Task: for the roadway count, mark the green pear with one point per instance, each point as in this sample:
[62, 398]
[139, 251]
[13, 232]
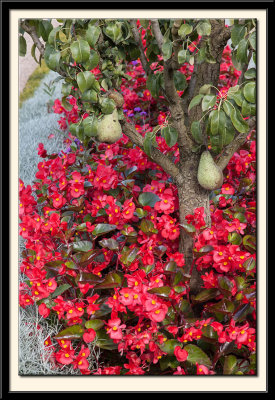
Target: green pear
[210, 175]
[109, 129]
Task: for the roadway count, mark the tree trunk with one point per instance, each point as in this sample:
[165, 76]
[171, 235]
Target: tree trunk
[191, 196]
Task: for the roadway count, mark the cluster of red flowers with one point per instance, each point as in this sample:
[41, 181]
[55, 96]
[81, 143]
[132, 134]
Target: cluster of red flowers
[107, 262]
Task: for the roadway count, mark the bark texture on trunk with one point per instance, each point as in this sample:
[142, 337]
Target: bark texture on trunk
[191, 196]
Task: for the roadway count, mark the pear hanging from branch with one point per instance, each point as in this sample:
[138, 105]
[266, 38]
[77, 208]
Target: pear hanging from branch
[210, 175]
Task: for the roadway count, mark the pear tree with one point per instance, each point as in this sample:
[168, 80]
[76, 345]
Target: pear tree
[208, 127]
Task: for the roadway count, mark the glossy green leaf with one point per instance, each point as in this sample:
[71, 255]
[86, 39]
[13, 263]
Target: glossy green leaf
[90, 125]
[128, 255]
[242, 51]
[88, 277]
[182, 56]
[249, 242]
[249, 264]
[45, 29]
[93, 60]
[52, 57]
[249, 92]
[80, 51]
[197, 355]
[166, 49]
[153, 84]
[232, 90]
[110, 244]
[94, 324]
[189, 228]
[112, 280]
[149, 142]
[230, 364]
[22, 46]
[237, 34]
[195, 101]
[107, 106]
[197, 132]
[217, 122]
[170, 135]
[208, 101]
[113, 31]
[60, 289]
[223, 307]
[103, 340]
[162, 291]
[204, 28]
[71, 333]
[103, 228]
[83, 245]
[92, 35]
[206, 295]
[205, 89]
[185, 29]
[148, 199]
[250, 73]
[253, 40]
[169, 346]
[234, 238]
[76, 130]
[248, 109]
[180, 81]
[53, 35]
[168, 362]
[209, 333]
[237, 120]
[85, 80]
[90, 96]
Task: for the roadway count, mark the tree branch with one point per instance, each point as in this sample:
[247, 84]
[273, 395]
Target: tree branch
[32, 32]
[156, 155]
[177, 41]
[175, 102]
[138, 41]
[157, 32]
[234, 146]
[205, 72]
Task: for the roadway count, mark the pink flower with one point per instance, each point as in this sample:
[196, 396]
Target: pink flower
[44, 310]
[89, 336]
[180, 354]
[115, 329]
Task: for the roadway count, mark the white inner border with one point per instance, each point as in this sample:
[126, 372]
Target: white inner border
[140, 383]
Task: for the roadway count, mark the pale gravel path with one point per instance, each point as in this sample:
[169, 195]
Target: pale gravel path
[27, 64]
